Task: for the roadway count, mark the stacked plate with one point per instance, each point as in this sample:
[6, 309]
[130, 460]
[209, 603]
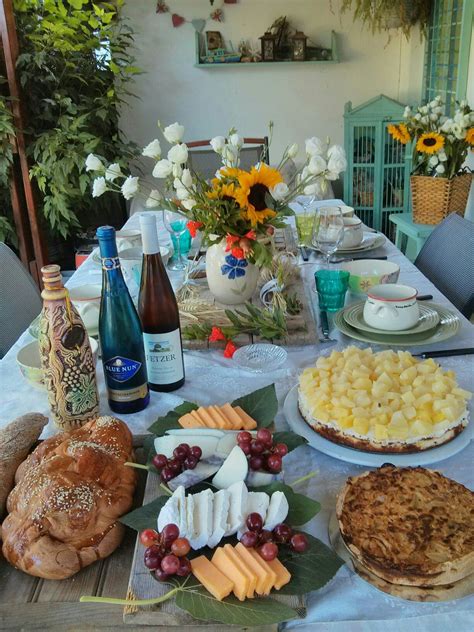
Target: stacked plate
[369, 242]
[436, 323]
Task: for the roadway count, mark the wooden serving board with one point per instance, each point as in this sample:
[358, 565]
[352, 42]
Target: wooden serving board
[301, 327]
[167, 614]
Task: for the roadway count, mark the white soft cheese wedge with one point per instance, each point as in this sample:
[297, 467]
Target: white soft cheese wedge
[182, 521]
[257, 479]
[220, 516]
[166, 444]
[277, 510]
[184, 433]
[237, 505]
[169, 513]
[201, 472]
[233, 470]
[257, 502]
[226, 444]
[189, 516]
[202, 519]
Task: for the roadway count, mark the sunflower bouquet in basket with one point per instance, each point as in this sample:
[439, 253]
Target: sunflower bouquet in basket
[440, 146]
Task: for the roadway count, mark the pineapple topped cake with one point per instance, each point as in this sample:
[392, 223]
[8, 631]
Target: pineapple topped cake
[382, 402]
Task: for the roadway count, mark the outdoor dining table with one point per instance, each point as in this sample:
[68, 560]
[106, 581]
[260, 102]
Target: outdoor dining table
[347, 602]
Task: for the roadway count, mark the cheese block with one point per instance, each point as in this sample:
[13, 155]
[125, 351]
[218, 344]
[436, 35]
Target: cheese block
[247, 422]
[204, 417]
[265, 576]
[202, 471]
[257, 502]
[233, 470]
[169, 513]
[220, 419]
[233, 571]
[271, 575]
[219, 518]
[202, 519]
[190, 421]
[211, 577]
[189, 516]
[252, 577]
[231, 414]
[238, 502]
[224, 417]
[282, 574]
[277, 510]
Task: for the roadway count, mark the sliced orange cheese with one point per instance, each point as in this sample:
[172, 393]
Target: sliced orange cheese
[206, 418]
[189, 421]
[233, 572]
[272, 578]
[265, 576]
[245, 568]
[211, 577]
[247, 421]
[231, 415]
[283, 575]
[216, 412]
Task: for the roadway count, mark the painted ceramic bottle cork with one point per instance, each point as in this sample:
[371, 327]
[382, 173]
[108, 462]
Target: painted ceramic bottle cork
[66, 356]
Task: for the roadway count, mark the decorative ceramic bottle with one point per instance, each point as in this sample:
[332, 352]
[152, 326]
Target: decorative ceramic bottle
[66, 356]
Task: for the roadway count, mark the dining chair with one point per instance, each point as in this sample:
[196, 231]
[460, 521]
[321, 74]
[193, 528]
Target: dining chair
[20, 300]
[447, 259]
[206, 162]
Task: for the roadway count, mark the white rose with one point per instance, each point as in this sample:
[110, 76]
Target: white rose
[304, 173]
[433, 161]
[313, 189]
[99, 186]
[293, 150]
[187, 178]
[433, 103]
[217, 143]
[113, 171]
[433, 117]
[236, 140]
[130, 187]
[447, 125]
[174, 133]
[417, 116]
[153, 199]
[279, 191]
[337, 161]
[93, 163]
[177, 171]
[442, 156]
[438, 99]
[467, 118]
[438, 109]
[424, 109]
[317, 165]
[182, 193]
[162, 169]
[425, 119]
[407, 112]
[440, 169]
[315, 146]
[189, 204]
[458, 131]
[178, 154]
[458, 117]
[152, 150]
[229, 154]
[332, 175]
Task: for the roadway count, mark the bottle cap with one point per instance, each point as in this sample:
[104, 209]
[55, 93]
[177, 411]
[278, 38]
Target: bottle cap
[150, 242]
[52, 276]
[107, 244]
[105, 232]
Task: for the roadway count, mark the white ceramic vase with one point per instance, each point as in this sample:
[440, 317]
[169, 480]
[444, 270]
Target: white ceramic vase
[230, 280]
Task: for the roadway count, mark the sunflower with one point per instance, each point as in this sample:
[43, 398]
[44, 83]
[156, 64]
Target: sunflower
[224, 192]
[226, 173]
[430, 143]
[470, 136]
[253, 188]
[399, 132]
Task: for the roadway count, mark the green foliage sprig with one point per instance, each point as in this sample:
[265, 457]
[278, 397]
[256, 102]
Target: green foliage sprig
[376, 14]
[7, 131]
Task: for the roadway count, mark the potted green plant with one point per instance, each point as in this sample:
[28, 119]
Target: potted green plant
[381, 15]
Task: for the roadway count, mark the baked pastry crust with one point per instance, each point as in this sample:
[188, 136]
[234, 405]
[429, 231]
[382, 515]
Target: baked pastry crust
[69, 494]
[408, 526]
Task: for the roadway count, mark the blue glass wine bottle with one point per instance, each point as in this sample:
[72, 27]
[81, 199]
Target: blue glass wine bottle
[123, 354]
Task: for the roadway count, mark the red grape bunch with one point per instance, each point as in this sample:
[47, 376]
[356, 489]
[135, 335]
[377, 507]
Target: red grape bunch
[266, 542]
[261, 453]
[166, 552]
[184, 457]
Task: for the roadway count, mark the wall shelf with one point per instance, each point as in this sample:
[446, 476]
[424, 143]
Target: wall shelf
[206, 65]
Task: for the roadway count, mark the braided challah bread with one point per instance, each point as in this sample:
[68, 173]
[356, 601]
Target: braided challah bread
[69, 493]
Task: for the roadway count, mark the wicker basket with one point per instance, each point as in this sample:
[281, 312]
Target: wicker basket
[434, 198]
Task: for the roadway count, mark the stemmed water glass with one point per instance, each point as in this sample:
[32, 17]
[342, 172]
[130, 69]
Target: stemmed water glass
[328, 230]
[175, 224]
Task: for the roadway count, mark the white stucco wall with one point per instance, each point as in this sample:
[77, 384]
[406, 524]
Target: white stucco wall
[302, 100]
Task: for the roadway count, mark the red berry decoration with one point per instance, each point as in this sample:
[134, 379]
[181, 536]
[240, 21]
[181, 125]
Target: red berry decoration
[160, 461]
[282, 533]
[281, 449]
[184, 567]
[170, 564]
[160, 575]
[274, 463]
[299, 542]
[254, 522]
[244, 437]
[265, 436]
[149, 537]
[196, 452]
[180, 547]
[169, 534]
[268, 551]
[249, 539]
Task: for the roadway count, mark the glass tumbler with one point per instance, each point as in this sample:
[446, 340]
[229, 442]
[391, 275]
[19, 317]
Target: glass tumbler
[331, 286]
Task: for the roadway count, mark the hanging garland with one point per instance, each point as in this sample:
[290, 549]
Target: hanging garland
[177, 20]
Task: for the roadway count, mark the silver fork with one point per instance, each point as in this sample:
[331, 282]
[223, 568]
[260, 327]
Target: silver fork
[324, 327]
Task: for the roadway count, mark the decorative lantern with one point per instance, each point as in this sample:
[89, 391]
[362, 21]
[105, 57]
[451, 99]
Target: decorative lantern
[268, 46]
[299, 46]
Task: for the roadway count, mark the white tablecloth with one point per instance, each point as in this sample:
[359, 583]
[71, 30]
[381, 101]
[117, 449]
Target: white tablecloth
[348, 602]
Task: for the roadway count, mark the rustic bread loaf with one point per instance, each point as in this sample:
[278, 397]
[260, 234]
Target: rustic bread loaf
[16, 440]
[69, 494]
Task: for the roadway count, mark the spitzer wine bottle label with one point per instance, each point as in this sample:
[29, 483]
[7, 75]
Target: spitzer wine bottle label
[110, 263]
[121, 369]
[164, 358]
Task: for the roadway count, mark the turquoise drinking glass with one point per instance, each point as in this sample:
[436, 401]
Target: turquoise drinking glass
[184, 241]
[331, 286]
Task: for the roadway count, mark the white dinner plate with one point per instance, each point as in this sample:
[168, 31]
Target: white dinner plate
[371, 459]
[369, 242]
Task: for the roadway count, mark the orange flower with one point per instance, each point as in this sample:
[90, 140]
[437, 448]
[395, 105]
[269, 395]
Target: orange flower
[216, 334]
[231, 240]
[193, 227]
[470, 136]
[230, 349]
[238, 252]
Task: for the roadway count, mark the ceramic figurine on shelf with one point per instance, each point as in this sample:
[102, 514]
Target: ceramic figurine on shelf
[66, 356]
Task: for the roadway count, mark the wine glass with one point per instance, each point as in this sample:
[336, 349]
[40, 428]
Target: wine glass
[175, 224]
[328, 230]
[304, 221]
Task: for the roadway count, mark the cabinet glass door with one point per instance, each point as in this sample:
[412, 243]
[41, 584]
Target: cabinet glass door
[393, 180]
[363, 174]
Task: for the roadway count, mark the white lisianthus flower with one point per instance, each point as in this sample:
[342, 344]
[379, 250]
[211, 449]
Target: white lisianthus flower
[433, 161]
[236, 141]
[317, 165]
[174, 133]
[293, 150]
[458, 117]
[337, 161]
[162, 169]
[442, 156]
[440, 169]
[417, 116]
[94, 164]
[467, 119]
[182, 193]
[458, 131]
[218, 174]
[187, 178]
[153, 199]
[424, 109]
[433, 103]
[312, 189]
[113, 171]
[189, 204]
[99, 186]
[433, 117]
[407, 112]
[279, 191]
[304, 173]
[315, 146]
[152, 150]
[447, 125]
[438, 110]
[217, 143]
[177, 171]
[130, 187]
[425, 119]
[229, 154]
[178, 154]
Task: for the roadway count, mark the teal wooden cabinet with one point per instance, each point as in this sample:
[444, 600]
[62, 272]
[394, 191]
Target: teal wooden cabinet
[377, 179]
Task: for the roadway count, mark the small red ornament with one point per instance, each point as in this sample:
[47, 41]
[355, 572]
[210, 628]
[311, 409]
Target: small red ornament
[162, 7]
[216, 335]
[217, 15]
[177, 20]
[230, 349]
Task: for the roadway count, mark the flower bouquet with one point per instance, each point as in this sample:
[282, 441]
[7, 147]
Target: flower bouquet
[237, 211]
[439, 183]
